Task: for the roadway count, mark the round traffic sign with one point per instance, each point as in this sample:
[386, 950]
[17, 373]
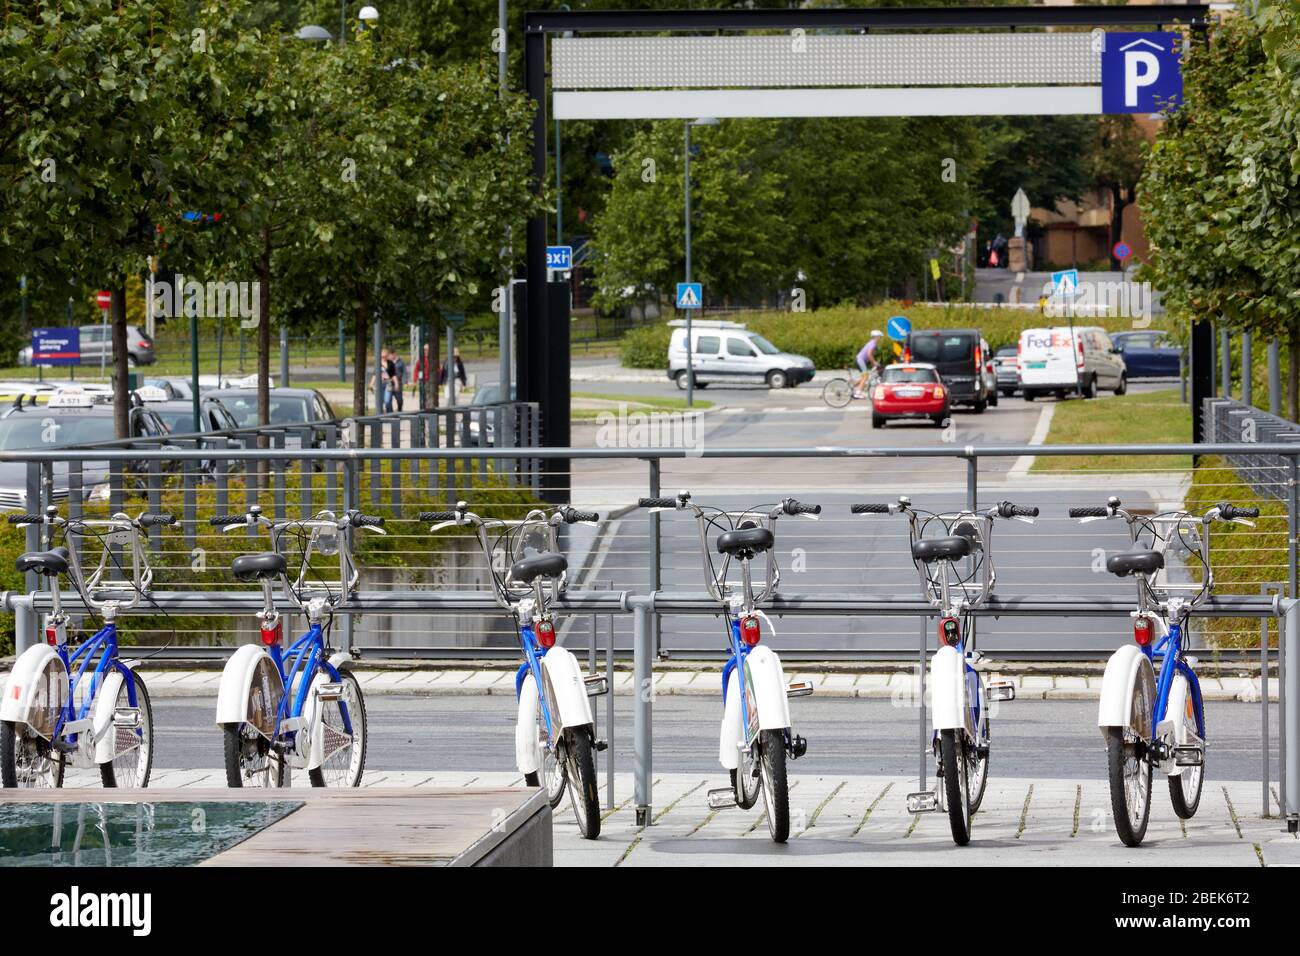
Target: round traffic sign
[104, 300]
[1122, 251]
[899, 327]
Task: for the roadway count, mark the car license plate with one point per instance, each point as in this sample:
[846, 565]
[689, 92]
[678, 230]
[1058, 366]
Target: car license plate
[909, 392]
[1035, 365]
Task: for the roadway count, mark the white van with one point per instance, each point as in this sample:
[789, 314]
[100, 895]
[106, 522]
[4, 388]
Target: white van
[1064, 360]
[728, 352]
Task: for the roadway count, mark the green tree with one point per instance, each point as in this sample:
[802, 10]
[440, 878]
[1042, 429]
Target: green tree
[1114, 160]
[1221, 190]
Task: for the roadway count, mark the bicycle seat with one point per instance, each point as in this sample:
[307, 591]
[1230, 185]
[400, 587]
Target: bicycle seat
[744, 543]
[1135, 562]
[548, 565]
[44, 562]
[252, 567]
[941, 549]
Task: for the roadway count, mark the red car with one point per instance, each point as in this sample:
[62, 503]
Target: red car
[909, 391]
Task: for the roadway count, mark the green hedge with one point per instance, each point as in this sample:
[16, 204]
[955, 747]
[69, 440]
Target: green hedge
[832, 337]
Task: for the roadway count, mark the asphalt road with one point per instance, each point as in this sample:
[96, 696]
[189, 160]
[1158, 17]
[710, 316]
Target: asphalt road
[1034, 739]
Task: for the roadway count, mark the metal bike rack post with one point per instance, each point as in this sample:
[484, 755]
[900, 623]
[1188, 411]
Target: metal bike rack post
[1263, 692]
[922, 721]
[1291, 724]
[656, 557]
[642, 706]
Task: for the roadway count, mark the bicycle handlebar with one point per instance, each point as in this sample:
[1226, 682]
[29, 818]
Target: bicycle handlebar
[358, 520]
[148, 520]
[1089, 512]
[1229, 511]
[228, 519]
[875, 508]
[656, 503]
[437, 516]
[794, 507]
[1007, 510]
[26, 519]
[573, 515]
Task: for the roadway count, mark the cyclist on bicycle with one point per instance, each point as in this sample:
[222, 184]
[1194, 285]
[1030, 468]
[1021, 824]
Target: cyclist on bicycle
[867, 363]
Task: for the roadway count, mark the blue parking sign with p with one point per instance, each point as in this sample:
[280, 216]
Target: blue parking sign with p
[1141, 72]
[690, 295]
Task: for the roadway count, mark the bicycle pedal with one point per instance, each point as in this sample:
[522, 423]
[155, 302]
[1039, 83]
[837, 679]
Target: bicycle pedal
[722, 799]
[602, 746]
[799, 688]
[332, 691]
[923, 802]
[1001, 690]
[1188, 755]
[126, 717]
[596, 686]
[798, 747]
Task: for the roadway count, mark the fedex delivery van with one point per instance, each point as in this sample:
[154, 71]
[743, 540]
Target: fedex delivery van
[1064, 360]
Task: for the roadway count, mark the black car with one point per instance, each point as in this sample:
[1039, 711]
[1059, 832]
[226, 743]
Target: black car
[288, 406]
[959, 357]
[71, 419]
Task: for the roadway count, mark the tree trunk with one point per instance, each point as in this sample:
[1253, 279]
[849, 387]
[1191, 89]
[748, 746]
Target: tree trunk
[1117, 206]
[1293, 376]
[361, 375]
[121, 364]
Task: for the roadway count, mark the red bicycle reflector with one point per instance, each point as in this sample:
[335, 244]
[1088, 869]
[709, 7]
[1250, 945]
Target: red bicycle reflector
[1142, 630]
[545, 632]
[949, 631]
[750, 631]
[51, 636]
[271, 632]
[56, 634]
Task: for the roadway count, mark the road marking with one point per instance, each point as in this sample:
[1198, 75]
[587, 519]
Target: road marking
[1022, 464]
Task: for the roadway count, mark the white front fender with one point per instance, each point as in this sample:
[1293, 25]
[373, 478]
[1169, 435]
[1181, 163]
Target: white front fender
[731, 736]
[316, 749]
[102, 716]
[572, 706]
[948, 697]
[250, 691]
[528, 743]
[1125, 668]
[766, 679]
[37, 690]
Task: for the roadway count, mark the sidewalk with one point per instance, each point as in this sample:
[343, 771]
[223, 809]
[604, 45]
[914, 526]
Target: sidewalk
[840, 820]
[704, 682]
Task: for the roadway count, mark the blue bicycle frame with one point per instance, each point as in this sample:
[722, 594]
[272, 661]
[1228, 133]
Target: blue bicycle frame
[533, 654]
[103, 644]
[739, 651]
[1168, 649]
[304, 656]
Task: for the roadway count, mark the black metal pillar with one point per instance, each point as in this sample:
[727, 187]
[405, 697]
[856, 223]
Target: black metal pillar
[531, 360]
[1202, 373]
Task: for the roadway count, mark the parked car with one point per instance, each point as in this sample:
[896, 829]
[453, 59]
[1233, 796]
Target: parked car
[97, 343]
[1149, 354]
[729, 352]
[1007, 367]
[1064, 360]
[489, 394]
[288, 406]
[178, 415]
[71, 418]
[958, 356]
[913, 390]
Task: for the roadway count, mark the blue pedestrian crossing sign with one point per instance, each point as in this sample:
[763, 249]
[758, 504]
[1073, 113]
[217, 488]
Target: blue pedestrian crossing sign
[899, 327]
[690, 295]
[1065, 282]
[559, 258]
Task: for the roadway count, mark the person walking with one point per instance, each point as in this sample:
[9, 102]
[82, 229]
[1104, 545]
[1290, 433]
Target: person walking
[399, 374]
[460, 371]
[424, 379]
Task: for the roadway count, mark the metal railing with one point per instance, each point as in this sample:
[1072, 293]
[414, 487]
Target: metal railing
[848, 589]
[1228, 421]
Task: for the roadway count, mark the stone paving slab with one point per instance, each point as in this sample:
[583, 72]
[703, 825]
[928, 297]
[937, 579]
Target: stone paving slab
[844, 820]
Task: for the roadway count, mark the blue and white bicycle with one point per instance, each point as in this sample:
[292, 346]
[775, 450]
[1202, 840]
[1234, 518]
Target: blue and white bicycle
[296, 708]
[555, 735]
[959, 695]
[1156, 719]
[87, 707]
[756, 734]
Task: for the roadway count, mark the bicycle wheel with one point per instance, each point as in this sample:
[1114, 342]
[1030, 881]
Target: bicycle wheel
[132, 745]
[580, 768]
[837, 393]
[1185, 788]
[956, 783]
[550, 774]
[344, 753]
[776, 792]
[27, 759]
[1130, 786]
[249, 759]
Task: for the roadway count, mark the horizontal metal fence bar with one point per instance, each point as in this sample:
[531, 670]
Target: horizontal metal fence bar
[458, 452]
[248, 603]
